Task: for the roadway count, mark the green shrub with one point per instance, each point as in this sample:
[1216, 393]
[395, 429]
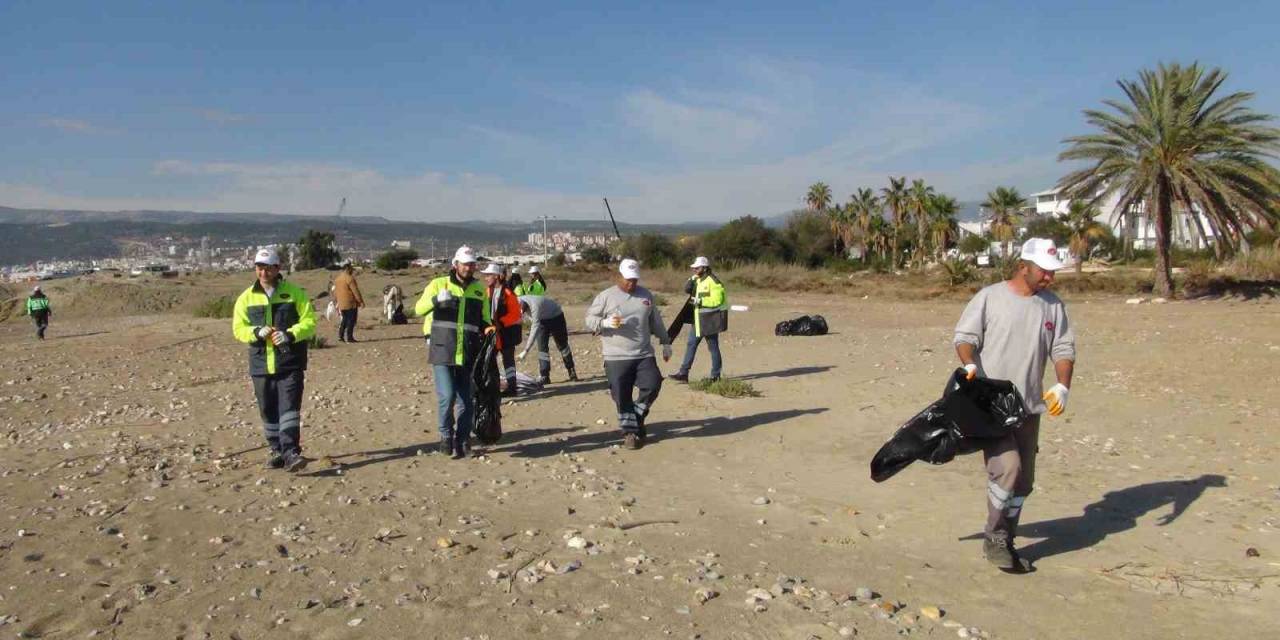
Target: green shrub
[220, 307]
[959, 271]
[727, 387]
[396, 259]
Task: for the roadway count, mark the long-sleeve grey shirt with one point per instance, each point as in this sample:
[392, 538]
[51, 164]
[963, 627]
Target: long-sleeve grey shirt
[541, 308]
[1015, 336]
[640, 319]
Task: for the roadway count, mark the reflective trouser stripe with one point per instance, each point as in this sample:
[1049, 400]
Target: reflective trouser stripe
[999, 497]
[1015, 506]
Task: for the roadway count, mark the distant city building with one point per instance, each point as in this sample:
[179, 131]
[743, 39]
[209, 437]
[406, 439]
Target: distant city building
[401, 244]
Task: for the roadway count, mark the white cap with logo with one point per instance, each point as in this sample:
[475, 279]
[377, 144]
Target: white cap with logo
[630, 269]
[533, 269]
[492, 270]
[268, 256]
[464, 255]
[701, 261]
[1043, 252]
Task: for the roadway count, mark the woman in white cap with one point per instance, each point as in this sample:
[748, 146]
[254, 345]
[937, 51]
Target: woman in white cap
[1008, 331]
[625, 316]
[275, 318]
[455, 313]
[504, 307]
[536, 286]
[39, 310]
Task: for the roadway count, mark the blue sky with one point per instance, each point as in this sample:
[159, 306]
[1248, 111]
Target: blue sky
[680, 111]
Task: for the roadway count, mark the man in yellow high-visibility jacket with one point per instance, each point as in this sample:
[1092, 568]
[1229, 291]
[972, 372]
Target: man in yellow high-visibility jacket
[457, 315]
[710, 318]
[275, 318]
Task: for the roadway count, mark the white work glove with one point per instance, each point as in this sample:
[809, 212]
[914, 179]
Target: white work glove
[1056, 399]
[263, 332]
[280, 337]
[666, 352]
[615, 321]
[523, 354]
[970, 371]
[444, 296]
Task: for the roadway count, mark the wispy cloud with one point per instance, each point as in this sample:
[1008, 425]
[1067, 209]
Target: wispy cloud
[218, 116]
[72, 125]
[691, 128]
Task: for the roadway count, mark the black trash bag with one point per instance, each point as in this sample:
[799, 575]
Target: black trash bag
[969, 414]
[684, 317]
[486, 386]
[398, 317]
[802, 326]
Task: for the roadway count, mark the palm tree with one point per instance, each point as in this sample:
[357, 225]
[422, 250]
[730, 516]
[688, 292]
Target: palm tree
[837, 217]
[1081, 219]
[943, 226]
[895, 197]
[879, 235]
[919, 197]
[1004, 206]
[863, 206]
[1173, 144]
[819, 197]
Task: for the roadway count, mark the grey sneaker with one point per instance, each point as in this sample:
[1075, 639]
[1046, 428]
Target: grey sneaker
[293, 461]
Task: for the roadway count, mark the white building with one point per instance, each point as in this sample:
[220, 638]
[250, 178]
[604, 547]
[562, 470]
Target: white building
[1053, 202]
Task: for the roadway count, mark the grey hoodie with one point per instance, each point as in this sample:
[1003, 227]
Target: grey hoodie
[640, 319]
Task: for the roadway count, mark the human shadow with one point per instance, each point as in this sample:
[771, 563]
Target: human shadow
[785, 373]
[392, 454]
[77, 335]
[584, 385]
[658, 432]
[1116, 512]
[1220, 288]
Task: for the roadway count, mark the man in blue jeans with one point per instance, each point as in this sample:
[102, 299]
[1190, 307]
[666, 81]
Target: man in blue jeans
[456, 316]
[710, 317]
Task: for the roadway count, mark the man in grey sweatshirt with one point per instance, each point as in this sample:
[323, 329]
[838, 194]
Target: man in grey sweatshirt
[1007, 332]
[625, 317]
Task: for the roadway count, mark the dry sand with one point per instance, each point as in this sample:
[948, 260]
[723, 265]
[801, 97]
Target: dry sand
[135, 504]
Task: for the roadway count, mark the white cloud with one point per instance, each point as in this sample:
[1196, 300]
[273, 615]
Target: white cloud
[72, 125]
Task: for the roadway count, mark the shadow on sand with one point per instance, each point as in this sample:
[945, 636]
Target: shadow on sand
[1116, 512]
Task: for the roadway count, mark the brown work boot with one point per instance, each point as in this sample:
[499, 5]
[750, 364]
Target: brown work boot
[997, 547]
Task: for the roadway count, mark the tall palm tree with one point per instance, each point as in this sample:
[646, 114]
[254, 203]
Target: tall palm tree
[837, 218]
[919, 198]
[943, 227]
[819, 197]
[864, 205]
[1174, 144]
[895, 198]
[1003, 210]
[879, 235]
[1081, 218]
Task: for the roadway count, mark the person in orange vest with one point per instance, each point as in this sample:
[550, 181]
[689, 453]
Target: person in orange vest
[505, 310]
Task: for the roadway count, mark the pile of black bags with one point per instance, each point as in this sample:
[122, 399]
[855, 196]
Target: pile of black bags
[969, 415]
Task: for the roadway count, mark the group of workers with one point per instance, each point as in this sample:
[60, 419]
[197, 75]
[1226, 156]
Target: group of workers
[1008, 331]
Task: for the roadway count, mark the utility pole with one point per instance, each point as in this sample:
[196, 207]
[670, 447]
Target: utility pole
[544, 238]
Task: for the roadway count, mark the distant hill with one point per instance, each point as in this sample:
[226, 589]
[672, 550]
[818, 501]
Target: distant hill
[28, 235]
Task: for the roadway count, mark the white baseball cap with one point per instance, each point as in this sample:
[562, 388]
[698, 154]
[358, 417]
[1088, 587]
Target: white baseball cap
[630, 269]
[533, 269]
[35, 289]
[464, 255]
[701, 261]
[515, 268]
[267, 256]
[492, 270]
[1043, 252]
